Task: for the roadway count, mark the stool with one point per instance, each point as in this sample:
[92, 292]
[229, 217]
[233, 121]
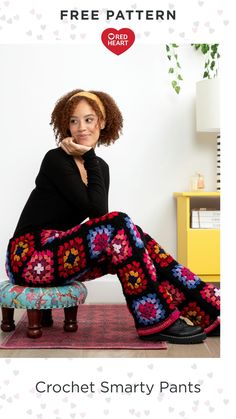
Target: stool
[39, 303]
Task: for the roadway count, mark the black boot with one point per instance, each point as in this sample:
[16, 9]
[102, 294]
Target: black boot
[178, 332]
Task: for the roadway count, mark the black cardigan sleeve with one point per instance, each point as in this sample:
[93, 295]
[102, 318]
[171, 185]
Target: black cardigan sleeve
[62, 171]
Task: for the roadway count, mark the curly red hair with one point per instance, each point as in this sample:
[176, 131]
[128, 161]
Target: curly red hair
[64, 109]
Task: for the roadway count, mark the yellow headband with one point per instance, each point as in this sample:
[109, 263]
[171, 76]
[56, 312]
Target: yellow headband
[93, 97]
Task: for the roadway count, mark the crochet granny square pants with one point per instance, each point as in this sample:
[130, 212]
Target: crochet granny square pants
[156, 287]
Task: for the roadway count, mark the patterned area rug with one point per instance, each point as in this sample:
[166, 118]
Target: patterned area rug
[100, 327]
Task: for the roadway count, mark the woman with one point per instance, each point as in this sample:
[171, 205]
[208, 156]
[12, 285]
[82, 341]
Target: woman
[53, 245]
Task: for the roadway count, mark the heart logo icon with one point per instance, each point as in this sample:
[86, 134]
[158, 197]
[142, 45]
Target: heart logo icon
[118, 41]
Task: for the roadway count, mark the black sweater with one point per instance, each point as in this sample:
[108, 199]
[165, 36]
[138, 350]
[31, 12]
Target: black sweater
[60, 199]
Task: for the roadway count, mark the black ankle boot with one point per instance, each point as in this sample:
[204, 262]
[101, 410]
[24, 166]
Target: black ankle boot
[178, 332]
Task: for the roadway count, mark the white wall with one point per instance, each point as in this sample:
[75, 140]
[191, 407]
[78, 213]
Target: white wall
[156, 155]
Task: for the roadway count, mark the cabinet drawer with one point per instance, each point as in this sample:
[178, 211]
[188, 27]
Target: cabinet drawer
[203, 251]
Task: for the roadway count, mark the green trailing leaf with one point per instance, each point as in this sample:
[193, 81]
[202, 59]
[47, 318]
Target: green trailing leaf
[214, 48]
[175, 66]
[211, 58]
[205, 48]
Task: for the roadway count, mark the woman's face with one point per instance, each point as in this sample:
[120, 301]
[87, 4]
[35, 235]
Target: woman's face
[84, 125]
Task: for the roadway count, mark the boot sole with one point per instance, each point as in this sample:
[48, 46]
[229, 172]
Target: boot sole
[198, 338]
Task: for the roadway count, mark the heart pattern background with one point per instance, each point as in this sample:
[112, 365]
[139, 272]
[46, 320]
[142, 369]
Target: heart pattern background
[31, 21]
[137, 405]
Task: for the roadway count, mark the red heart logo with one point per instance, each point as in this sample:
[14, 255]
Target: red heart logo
[118, 41]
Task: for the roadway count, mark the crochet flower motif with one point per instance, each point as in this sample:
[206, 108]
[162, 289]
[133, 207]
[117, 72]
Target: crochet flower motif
[172, 295]
[48, 236]
[98, 239]
[134, 232]
[150, 267]
[158, 254]
[39, 270]
[119, 248]
[71, 257]
[185, 276]
[103, 218]
[194, 313]
[21, 249]
[132, 278]
[211, 294]
[148, 309]
[70, 231]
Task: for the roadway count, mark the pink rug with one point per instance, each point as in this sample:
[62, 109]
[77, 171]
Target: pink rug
[100, 327]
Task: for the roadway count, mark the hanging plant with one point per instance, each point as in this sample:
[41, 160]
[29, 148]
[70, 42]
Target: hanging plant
[211, 59]
[175, 67]
[210, 65]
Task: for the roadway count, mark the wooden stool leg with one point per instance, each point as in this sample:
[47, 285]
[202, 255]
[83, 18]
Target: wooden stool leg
[70, 322]
[34, 326]
[46, 318]
[8, 323]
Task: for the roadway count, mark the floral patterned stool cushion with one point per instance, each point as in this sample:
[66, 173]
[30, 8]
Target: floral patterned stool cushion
[38, 302]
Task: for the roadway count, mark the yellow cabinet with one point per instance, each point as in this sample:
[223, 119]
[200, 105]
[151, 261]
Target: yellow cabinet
[198, 249]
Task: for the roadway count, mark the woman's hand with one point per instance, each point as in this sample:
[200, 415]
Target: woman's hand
[72, 148]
